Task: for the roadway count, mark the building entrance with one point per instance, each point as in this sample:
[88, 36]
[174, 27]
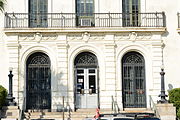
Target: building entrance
[38, 82]
[86, 81]
[133, 75]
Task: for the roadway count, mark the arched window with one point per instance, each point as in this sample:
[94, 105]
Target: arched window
[84, 11]
[131, 10]
[133, 79]
[86, 59]
[38, 10]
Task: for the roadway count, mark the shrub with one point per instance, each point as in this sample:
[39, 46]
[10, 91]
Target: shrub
[174, 97]
[178, 113]
[3, 94]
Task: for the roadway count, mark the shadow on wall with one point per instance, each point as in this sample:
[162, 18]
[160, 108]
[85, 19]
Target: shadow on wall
[60, 94]
[165, 34]
[59, 90]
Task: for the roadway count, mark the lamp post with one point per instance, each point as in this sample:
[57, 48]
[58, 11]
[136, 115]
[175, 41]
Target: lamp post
[162, 73]
[10, 97]
[162, 95]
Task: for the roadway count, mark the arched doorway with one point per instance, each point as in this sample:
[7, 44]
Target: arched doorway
[86, 81]
[38, 82]
[133, 80]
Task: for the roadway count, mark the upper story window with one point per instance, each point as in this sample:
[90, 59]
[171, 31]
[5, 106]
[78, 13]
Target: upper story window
[84, 6]
[38, 10]
[131, 10]
[85, 10]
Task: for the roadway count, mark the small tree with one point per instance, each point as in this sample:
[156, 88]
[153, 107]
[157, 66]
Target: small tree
[3, 95]
[174, 97]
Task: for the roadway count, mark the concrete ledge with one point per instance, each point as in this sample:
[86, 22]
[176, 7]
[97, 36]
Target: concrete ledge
[91, 29]
[10, 113]
[166, 111]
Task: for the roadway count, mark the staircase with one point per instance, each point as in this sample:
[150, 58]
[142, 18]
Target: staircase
[79, 114]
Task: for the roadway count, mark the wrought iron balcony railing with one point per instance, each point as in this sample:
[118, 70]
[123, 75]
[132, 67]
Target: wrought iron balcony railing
[69, 20]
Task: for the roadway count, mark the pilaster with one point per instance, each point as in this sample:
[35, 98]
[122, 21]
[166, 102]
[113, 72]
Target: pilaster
[110, 69]
[13, 50]
[61, 73]
[157, 59]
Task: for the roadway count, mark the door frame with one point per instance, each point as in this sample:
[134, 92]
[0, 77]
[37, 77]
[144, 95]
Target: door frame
[75, 85]
[93, 63]
[86, 86]
[30, 57]
[135, 90]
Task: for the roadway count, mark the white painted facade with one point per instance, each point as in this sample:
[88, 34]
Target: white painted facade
[109, 45]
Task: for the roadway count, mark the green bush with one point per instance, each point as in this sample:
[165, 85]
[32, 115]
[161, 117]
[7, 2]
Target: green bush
[3, 94]
[174, 97]
[178, 113]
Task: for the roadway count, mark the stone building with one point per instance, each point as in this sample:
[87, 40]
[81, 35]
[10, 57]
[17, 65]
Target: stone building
[92, 52]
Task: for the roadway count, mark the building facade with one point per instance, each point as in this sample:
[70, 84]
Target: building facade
[91, 52]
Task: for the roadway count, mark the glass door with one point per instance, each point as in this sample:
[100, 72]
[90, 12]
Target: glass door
[86, 88]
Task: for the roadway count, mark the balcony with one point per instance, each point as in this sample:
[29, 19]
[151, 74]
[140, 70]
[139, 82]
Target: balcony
[93, 22]
[72, 20]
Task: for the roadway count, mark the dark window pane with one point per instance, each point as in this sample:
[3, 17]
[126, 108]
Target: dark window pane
[36, 8]
[92, 71]
[85, 6]
[92, 83]
[80, 84]
[129, 7]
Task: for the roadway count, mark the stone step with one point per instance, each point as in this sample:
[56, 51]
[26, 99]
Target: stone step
[9, 119]
[137, 110]
[10, 107]
[80, 114]
[60, 115]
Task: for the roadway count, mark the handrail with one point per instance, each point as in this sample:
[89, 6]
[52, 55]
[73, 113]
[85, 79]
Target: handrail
[69, 111]
[115, 106]
[153, 106]
[22, 109]
[63, 107]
